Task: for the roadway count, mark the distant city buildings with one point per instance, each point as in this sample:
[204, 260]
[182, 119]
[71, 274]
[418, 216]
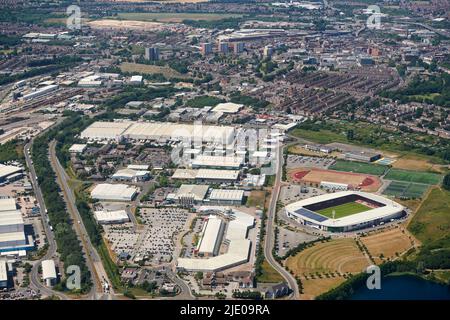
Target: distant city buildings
[223, 47]
[152, 54]
[268, 51]
[206, 48]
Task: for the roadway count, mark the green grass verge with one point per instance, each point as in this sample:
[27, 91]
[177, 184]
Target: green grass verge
[432, 220]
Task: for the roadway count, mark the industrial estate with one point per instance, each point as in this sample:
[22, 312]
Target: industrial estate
[223, 150]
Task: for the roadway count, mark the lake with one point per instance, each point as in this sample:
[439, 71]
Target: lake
[404, 288]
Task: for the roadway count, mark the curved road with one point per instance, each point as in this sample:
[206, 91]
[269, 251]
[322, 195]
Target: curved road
[270, 235]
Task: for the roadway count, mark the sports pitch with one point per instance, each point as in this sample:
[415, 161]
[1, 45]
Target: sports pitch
[404, 189]
[413, 176]
[343, 210]
[358, 167]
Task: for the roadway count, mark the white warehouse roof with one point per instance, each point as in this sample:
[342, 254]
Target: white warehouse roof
[118, 192]
[118, 216]
[8, 170]
[195, 190]
[211, 235]
[77, 148]
[228, 107]
[218, 161]
[156, 131]
[7, 204]
[48, 269]
[227, 194]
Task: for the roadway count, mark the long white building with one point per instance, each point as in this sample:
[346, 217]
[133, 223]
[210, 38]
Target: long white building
[209, 243]
[114, 192]
[12, 235]
[157, 131]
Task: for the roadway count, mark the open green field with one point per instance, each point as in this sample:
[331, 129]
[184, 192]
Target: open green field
[402, 189]
[175, 17]
[432, 220]
[358, 167]
[343, 210]
[413, 176]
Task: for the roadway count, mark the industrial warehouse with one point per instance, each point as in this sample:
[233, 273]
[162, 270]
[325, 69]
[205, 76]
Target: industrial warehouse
[142, 131]
[344, 211]
[12, 235]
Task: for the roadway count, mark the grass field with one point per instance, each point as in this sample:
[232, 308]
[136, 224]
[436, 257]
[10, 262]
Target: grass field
[402, 189]
[256, 199]
[269, 274]
[387, 244]
[432, 220]
[343, 210]
[340, 255]
[150, 69]
[358, 167]
[175, 17]
[413, 176]
[314, 287]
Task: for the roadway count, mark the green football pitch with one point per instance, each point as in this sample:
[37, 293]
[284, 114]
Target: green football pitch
[343, 210]
[358, 167]
[413, 176]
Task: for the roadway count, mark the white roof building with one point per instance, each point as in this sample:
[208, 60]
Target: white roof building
[227, 195]
[49, 272]
[7, 204]
[232, 162]
[196, 191]
[105, 130]
[111, 217]
[206, 174]
[228, 107]
[209, 243]
[77, 148]
[157, 131]
[113, 192]
[7, 170]
[136, 80]
[130, 175]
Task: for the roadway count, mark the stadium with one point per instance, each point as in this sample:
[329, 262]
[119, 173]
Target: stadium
[344, 211]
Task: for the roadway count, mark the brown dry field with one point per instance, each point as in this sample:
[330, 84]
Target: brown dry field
[150, 69]
[354, 179]
[125, 24]
[257, 198]
[314, 287]
[340, 255]
[416, 164]
[387, 242]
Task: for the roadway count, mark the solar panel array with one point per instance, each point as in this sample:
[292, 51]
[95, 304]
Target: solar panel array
[310, 214]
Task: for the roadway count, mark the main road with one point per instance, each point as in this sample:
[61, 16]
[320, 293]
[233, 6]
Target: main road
[270, 232]
[94, 262]
[35, 281]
